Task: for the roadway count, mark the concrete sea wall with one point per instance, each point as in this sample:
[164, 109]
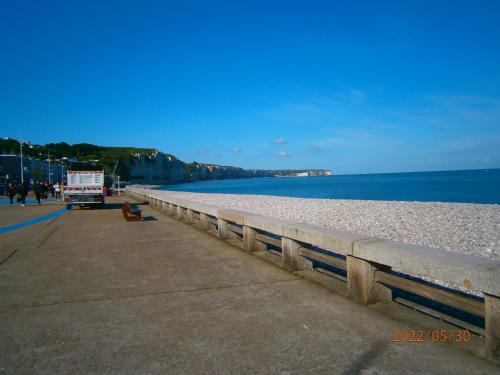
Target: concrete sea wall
[373, 266]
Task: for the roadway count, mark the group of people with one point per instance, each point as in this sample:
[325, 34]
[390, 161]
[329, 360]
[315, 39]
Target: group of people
[21, 190]
[41, 189]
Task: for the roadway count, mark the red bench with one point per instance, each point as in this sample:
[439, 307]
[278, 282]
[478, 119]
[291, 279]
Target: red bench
[131, 213]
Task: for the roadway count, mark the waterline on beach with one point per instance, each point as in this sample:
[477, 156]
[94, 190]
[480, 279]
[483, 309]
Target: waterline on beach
[457, 227]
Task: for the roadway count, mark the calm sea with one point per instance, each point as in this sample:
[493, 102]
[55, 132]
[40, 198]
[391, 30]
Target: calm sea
[473, 186]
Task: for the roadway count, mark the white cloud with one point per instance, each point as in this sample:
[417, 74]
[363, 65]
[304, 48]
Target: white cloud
[282, 154]
[281, 141]
[237, 150]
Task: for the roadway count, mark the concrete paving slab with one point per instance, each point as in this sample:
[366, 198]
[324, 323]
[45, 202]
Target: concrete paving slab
[102, 295]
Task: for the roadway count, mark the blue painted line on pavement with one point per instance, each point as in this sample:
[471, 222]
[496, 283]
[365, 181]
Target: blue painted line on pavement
[40, 219]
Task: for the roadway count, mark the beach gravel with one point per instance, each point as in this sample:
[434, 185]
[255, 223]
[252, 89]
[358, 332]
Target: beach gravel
[460, 227]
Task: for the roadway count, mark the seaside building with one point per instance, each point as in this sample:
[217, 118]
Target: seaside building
[314, 172]
[34, 169]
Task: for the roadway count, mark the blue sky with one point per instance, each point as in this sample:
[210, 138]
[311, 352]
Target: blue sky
[358, 87]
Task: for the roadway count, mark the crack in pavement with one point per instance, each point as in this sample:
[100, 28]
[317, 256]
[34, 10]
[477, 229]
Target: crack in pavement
[8, 257]
[46, 238]
[20, 307]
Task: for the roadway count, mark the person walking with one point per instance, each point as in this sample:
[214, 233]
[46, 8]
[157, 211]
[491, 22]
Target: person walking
[45, 190]
[11, 192]
[57, 190]
[38, 189]
[52, 189]
[22, 192]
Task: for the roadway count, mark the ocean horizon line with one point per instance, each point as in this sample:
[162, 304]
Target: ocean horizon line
[481, 186]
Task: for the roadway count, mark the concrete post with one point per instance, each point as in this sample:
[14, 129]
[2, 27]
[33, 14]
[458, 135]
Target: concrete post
[179, 212]
[492, 326]
[290, 254]
[205, 224]
[222, 228]
[189, 217]
[361, 284]
[249, 239]
[171, 209]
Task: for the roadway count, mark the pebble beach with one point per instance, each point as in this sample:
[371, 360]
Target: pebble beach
[472, 229]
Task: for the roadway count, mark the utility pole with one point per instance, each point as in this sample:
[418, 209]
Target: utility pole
[50, 174]
[113, 175]
[22, 166]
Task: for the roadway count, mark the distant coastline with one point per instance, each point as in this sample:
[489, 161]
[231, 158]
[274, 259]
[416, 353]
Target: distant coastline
[137, 165]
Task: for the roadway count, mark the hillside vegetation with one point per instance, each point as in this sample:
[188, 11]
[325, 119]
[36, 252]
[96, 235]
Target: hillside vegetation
[102, 156]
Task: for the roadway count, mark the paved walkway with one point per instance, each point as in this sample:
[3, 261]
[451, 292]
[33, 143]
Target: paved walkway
[11, 215]
[88, 292]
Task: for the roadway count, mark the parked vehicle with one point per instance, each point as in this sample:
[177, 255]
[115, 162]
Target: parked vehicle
[84, 188]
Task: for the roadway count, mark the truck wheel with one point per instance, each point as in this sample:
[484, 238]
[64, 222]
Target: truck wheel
[68, 207]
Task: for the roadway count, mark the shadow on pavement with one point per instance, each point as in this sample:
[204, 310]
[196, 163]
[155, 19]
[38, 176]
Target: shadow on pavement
[116, 206]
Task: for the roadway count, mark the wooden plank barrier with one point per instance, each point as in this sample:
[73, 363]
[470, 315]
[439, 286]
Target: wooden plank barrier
[455, 300]
[268, 239]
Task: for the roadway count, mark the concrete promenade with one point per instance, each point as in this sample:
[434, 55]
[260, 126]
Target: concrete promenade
[88, 292]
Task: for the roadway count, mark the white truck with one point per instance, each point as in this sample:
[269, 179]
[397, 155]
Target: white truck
[84, 188]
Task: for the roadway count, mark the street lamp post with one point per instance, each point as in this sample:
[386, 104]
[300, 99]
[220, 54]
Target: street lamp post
[50, 174]
[22, 166]
[62, 160]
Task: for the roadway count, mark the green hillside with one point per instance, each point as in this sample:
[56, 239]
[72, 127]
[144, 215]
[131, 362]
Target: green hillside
[83, 152]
